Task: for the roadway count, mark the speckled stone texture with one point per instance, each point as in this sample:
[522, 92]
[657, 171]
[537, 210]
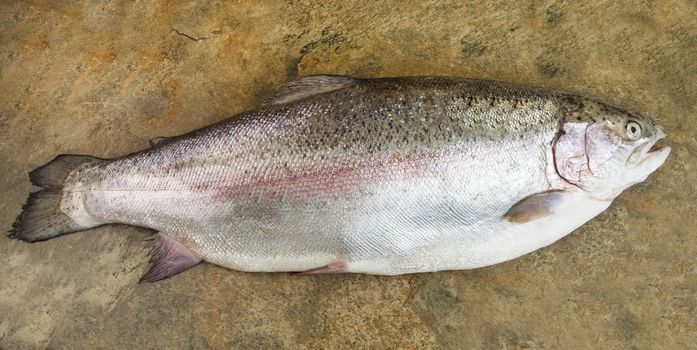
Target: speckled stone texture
[102, 78]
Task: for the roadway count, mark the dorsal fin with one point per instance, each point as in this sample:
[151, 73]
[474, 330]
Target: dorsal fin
[310, 86]
[158, 140]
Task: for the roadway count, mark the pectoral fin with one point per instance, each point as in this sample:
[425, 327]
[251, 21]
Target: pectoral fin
[534, 207]
[168, 258]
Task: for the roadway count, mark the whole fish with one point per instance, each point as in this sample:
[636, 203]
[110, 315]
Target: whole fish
[381, 176]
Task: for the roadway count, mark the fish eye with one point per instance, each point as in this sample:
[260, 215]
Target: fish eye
[633, 130]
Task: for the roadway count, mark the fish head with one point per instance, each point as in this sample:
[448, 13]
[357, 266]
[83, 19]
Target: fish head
[604, 149]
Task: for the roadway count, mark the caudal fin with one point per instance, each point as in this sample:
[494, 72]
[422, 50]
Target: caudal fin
[42, 217]
[54, 173]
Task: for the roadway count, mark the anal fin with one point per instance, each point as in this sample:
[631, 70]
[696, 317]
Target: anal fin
[534, 207]
[168, 258]
[332, 267]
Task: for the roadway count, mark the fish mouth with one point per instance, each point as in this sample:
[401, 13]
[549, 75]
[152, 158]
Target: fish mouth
[658, 145]
[655, 151]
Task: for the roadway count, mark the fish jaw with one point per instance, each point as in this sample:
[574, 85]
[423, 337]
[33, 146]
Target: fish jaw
[653, 159]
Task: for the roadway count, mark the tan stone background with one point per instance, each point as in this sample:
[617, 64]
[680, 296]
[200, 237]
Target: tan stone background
[102, 78]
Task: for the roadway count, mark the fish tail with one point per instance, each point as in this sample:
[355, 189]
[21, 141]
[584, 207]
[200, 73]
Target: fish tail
[43, 216]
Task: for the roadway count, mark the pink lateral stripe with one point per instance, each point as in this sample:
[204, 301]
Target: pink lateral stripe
[311, 179]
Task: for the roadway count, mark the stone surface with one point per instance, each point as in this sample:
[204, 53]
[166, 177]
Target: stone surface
[101, 78]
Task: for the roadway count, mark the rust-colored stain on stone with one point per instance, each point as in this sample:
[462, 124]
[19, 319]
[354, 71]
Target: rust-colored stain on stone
[102, 78]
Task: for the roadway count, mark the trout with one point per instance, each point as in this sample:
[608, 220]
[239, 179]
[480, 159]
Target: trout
[380, 176]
